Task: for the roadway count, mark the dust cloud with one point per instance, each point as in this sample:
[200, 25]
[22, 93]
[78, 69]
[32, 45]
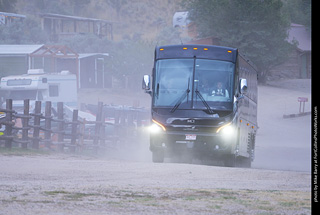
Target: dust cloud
[281, 144]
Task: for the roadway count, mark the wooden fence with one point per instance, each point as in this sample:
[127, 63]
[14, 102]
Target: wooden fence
[55, 131]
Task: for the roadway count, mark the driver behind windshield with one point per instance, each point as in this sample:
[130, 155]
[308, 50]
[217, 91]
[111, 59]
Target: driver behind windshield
[220, 90]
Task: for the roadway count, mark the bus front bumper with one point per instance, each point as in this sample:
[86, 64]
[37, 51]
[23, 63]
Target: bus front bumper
[197, 143]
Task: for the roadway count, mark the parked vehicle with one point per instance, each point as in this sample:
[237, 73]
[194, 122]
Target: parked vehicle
[39, 86]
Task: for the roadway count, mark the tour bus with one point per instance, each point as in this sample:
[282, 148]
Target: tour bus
[39, 86]
[204, 105]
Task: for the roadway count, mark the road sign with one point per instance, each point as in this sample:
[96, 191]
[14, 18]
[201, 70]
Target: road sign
[302, 99]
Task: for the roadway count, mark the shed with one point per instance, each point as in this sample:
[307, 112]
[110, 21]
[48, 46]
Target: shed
[92, 71]
[15, 59]
[89, 68]
[298, 65]
[61, 26]
[8, 18]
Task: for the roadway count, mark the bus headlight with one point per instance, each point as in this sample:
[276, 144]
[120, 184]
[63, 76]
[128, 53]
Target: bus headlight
[226, 130]
[156, 127]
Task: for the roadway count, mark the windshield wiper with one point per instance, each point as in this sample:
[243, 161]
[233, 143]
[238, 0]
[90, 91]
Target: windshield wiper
[204, 102]
[184, 95]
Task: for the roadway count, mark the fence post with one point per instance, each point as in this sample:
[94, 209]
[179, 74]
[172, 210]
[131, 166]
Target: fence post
[47, 133]
[97, 128]
[61, 122]
[60, 126]
[36, 128]
[8, 131]
[74, 130]
[25, 123]
[103, 129]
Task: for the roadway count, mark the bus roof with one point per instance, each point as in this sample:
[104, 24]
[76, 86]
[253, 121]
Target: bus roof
[198, 51]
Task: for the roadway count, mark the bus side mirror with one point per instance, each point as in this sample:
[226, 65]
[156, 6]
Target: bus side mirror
[146, 84]
[243, 86]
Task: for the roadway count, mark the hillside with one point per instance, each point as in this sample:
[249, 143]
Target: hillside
[135, 18]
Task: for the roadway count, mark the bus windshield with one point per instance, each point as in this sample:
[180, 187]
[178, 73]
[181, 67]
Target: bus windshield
[194, 84]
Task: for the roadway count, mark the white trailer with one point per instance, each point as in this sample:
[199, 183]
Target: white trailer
[39, 86]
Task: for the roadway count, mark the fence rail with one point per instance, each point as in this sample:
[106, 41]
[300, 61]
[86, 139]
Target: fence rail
[53, 130]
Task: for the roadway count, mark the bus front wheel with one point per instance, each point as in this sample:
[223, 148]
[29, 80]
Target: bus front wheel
[158, 156]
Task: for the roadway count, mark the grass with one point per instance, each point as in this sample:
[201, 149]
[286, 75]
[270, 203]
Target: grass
[195, 201]
[22, 152]
[71, 196]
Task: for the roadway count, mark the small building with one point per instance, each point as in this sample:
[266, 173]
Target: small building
[298, 64]
[92, 71]
[90, 68]
[205, 41]
[8, 18]
[59, 26]
[15, 59]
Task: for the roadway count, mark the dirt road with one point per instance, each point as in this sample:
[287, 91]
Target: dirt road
[60, 184]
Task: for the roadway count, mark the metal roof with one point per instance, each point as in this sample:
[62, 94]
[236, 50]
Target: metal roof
[12, 15]
[76, 18]
[18, 49]
[85, 55]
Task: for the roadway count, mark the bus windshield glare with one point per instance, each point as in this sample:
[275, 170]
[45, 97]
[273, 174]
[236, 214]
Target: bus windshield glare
[194, 84]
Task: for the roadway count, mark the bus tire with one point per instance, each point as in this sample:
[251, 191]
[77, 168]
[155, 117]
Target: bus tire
[230, 161]
[158, 156]
[246, 162]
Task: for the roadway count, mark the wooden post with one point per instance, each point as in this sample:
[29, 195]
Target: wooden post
[60, 125]
[8, 131]
[25, 124]
[61, 122]
[36, 128]
[103, 129]
[98, 124]
[74, 130]
[47, 133]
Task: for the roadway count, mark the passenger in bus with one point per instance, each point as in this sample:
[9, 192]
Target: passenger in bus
[220, 90]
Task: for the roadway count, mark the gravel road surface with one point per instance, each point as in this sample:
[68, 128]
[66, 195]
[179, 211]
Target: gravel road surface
[60, 184]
